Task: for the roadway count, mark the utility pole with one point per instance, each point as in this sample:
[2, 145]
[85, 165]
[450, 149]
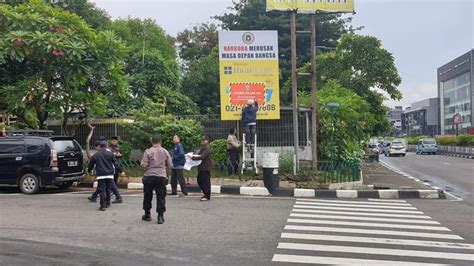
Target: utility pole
[294, 88]
[314, 97]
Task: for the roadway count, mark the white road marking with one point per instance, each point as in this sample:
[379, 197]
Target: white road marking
[373, 240]
[386, 200]
[339, 261]
[378, 251]
[352, 205]
[355, 209]
[402, 226]
[354, 202]
[363, 214]
[358, 218]
[370, 232]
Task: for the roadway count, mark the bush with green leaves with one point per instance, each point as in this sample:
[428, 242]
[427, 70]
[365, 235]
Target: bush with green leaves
[125, 148]
[166, 126]
[285, 161]
[219, 150]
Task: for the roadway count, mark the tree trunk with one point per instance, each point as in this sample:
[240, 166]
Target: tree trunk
[88, 139]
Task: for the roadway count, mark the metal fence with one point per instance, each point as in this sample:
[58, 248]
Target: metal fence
[337, 172]
[270, 133]
[328, 172]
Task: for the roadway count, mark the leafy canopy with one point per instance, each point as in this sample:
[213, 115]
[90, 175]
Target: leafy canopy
[50, 58]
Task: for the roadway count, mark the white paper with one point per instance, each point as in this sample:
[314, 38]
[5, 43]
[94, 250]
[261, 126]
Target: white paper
[190, 163]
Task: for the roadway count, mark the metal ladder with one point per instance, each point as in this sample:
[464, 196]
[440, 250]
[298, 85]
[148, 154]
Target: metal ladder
[249, 155]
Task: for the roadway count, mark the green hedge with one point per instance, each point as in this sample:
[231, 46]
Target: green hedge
[461, 140]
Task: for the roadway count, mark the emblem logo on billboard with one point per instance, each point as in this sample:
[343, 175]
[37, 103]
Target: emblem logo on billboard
[248, 38]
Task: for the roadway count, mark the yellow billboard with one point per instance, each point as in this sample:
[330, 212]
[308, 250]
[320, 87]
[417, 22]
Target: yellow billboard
[248, 66]
[312, 6]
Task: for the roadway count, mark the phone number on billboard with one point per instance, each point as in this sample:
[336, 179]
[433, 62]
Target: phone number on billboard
[233, 108]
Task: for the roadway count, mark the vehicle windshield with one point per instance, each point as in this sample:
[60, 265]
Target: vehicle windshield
[66, 146]
[429, 141]
[397, 143]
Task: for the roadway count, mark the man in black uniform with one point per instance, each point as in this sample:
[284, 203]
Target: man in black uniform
[104, 163]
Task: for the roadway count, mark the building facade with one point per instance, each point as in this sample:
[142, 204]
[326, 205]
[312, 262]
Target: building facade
[456, 93]
[395, 117]
[422, 117]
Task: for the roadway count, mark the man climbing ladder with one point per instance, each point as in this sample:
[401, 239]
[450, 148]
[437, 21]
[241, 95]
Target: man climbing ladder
[249, 118]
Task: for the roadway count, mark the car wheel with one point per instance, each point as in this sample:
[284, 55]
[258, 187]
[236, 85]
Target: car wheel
[64, 185]
[403, 155]
[29, 184]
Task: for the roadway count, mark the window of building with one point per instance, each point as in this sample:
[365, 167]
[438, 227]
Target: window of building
[457, 99]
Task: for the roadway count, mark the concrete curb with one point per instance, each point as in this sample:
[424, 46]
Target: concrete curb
[309, 193]
[456, 155]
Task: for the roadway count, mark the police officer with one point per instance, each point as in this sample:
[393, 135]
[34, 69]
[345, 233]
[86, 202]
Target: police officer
[156, 160]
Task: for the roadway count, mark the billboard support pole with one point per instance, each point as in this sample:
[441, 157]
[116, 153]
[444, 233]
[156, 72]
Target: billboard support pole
[294, 89]
[314, 97]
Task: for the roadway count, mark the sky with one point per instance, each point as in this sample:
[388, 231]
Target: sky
[422, 35]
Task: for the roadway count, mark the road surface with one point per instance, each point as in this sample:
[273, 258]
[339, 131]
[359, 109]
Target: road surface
[454, 175]
[64, 228]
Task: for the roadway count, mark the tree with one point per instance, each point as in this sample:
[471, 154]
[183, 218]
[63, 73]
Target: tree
[360, 64]
[201, 83]
[95, 17]
[342, 131]
[197, 42]
[53, 63]
[251, 15]
[152, 69]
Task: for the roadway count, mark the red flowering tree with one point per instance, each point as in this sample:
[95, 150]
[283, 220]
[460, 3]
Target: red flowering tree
[52, 63]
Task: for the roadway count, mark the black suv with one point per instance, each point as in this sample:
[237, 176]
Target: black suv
[34, 159]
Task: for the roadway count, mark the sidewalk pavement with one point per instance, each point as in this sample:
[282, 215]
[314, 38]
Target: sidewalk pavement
[378, 182]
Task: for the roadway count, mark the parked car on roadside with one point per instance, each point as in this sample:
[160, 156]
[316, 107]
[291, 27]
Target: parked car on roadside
[428, 146]
[395, 148]
[374, 147]
[34, 159]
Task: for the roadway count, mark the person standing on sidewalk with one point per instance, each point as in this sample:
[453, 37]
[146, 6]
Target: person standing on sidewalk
[104, 162]
[233, 145]
[156, 160]
[115, 149]
[179, 160]
[204, 169]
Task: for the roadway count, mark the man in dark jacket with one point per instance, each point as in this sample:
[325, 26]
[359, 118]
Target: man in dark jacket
[113, 187]
[179, 160]
[249, 117]
[204, 169]
[104, 163]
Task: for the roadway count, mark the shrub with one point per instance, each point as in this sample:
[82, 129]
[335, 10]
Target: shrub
[446, 140]
[286, 162]
[464, 140]
[126, 149]
[219, 150]
[166, 126]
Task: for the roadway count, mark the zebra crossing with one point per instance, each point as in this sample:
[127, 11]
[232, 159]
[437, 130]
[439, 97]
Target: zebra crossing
[373, 232]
